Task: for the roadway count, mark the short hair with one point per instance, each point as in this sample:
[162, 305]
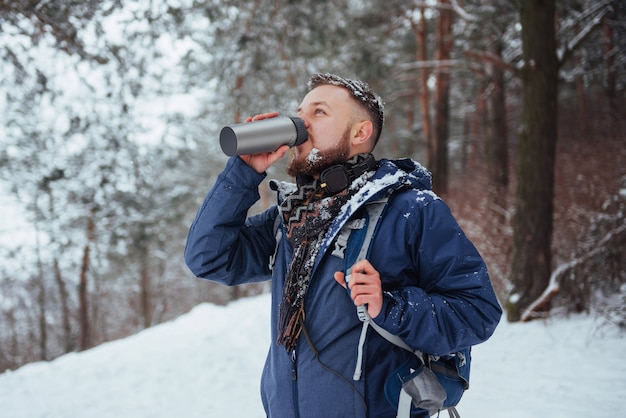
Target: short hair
[360, 92]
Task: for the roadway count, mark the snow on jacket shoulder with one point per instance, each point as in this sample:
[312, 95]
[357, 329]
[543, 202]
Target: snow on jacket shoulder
[437, 292]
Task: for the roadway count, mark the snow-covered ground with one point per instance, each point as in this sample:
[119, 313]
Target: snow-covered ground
[208, 364]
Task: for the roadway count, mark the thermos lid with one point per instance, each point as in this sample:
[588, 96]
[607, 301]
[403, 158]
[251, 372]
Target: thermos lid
[228, 141]
[301, 133]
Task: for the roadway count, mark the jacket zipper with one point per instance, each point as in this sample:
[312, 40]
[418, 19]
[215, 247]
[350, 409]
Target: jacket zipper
[294, 383]
[294, 366]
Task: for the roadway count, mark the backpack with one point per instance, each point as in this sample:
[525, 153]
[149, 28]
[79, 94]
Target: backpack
[424, 382]
[428, 382]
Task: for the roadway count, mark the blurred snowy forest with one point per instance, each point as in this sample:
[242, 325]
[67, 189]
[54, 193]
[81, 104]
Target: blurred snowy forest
[110, 113]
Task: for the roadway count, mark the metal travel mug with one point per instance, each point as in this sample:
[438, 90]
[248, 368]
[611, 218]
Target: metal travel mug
[264, 135]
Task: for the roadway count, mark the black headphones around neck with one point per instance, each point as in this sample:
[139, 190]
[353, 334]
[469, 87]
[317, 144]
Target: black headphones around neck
[338, 177]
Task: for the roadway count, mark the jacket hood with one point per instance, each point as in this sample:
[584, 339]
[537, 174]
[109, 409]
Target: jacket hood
[405, 172]
[390, 176]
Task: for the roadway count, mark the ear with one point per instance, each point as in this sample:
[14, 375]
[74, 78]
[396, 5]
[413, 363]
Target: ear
[361, 132]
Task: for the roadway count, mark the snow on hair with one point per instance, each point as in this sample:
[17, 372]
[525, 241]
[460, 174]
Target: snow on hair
[359, 90]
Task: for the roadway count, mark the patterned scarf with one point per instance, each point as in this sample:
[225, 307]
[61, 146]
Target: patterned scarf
[307, 214]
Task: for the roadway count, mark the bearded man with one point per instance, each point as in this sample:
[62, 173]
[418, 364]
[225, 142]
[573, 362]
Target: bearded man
[422, 280]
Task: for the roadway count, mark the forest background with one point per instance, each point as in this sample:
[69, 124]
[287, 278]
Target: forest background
[111, 111]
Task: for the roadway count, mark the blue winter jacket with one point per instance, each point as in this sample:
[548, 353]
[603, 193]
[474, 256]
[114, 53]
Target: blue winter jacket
[437, 293]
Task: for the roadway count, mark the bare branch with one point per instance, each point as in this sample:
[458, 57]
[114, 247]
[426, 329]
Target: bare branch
[416, 65]
[579, 39]
[554, 286]
[494, 59]
[462, 12]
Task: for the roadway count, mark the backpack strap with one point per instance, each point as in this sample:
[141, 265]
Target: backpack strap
[374, 212]
[358, 249]
[355, 240]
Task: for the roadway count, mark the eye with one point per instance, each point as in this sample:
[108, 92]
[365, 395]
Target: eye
[319, 111]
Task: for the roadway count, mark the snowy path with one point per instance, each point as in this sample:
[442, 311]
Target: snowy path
[208, 364]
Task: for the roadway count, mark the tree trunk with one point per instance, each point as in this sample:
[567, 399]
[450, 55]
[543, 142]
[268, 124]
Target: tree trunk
[439, 165]
[40, 285]
[424, 96]
[497, 140]
[83, 297]
[43, 331]
[85, 340]
[532, 222]
[145, 302]
[611, 73]
[68, 341]
[583, 126]
[11, 353]
[238, 118]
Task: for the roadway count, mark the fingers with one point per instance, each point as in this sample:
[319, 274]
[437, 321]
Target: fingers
[277, 155]
[339, 278]
[261, 116]
[248, 158]
[366, 289]
[365, 286]
[364, 266]
[261, 162]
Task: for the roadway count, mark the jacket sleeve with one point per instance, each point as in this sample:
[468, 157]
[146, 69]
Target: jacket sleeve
[222, 244]
[448, 302]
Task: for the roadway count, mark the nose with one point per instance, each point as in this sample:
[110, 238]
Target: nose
[306, 122]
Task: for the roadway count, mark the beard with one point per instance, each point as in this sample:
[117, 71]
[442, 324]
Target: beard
[317, 161]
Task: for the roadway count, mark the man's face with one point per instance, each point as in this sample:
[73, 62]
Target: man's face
[328, 113]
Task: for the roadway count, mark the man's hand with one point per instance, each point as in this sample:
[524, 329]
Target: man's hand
[365, 286]
[261, 162]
